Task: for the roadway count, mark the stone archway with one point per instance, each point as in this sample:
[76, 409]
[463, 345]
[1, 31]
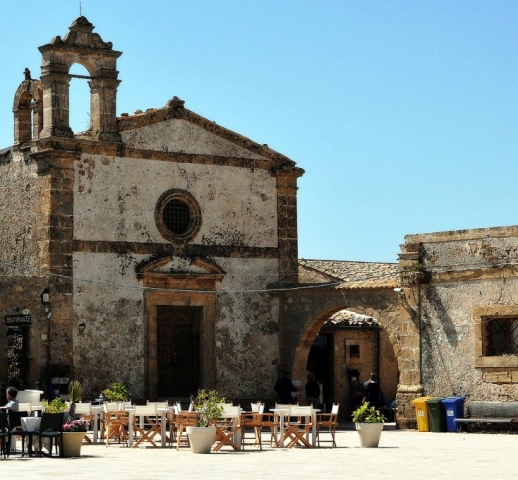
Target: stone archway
[305, 312]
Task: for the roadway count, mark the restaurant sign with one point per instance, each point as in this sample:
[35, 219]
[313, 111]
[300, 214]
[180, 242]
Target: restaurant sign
[18, 320]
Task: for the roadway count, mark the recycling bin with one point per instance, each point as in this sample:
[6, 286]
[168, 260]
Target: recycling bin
[422, 414]
[454, 407]
[437, 414]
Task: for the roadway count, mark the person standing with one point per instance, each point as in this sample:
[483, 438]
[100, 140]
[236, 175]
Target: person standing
[371, 391]
[284, 386]
[313, 391]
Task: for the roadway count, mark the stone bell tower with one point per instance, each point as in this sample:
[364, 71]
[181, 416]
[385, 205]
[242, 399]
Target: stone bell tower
[81, 46]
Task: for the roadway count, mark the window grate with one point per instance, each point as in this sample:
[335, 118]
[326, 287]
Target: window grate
[502, 336]
[176, 217]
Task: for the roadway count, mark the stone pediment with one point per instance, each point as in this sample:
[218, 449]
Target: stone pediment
[175, 129]
[180, 266]
[194, 274]
[81, 35]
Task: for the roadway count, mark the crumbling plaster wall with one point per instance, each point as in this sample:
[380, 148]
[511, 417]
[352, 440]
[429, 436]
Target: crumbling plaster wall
[181, 136]
[108, 298]
[246, 333]
[239, 208]
[238, 204]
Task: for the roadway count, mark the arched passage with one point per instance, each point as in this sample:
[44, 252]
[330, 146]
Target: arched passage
[342, 348]
[306, 311]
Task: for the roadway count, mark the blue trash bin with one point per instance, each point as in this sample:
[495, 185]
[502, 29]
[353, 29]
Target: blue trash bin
[454, 407]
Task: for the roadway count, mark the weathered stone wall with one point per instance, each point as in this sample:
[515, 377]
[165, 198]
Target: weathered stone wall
[108, 298]
[448, 337]
[238, 204]
[24, 224]
[465, 272]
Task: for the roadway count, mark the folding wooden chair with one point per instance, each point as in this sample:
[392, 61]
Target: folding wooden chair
[297, 426]
[114, 422]
[328, 421]
[84, 411]
[228, 427]
[149, 427]
[184, 420]
[253, 420]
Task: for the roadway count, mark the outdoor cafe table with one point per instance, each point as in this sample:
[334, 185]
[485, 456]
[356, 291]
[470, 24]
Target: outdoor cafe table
[163, 424]
[282, 412]
[32, 424]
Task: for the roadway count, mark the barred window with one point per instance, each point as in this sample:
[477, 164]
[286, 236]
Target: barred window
[178, 216]
[501, 336]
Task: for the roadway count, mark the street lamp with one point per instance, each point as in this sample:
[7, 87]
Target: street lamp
[45, 297]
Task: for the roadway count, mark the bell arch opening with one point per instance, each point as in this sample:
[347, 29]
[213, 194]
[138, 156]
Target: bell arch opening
[79, 100]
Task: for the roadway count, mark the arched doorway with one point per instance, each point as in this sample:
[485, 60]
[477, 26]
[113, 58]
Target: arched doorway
[347, 347]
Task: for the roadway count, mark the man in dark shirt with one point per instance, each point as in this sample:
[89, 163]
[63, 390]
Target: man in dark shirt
[284, 387]
[371, 391]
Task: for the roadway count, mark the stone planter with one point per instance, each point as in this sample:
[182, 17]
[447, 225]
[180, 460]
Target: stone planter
[201, 438]
[72, 442]
[370, 433]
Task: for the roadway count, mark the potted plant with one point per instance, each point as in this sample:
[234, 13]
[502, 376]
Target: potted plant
[74, 432]
[209, 407]
[55, 406]
[369, 424]
[75, 392]
[116, 392]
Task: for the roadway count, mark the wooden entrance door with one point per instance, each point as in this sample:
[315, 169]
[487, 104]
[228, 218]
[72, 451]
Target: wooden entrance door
[178, 350]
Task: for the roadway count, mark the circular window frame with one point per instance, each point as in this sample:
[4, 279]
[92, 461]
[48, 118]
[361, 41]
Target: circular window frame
[194, 216]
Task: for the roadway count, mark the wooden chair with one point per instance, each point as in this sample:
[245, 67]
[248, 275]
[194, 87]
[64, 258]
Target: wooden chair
[227, 427]
[328, 421]
[51, 428]
[252, 420]
[298, 423]
[114, 423]
[184, 420]
[84, 411]
[150, 426]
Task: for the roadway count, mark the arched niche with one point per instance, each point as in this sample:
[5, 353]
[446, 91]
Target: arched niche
[28, 110]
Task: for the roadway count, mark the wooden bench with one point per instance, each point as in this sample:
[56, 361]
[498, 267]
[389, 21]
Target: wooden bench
[489, 413]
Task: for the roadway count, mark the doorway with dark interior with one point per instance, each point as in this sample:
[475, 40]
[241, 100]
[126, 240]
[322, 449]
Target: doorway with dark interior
[178, 338]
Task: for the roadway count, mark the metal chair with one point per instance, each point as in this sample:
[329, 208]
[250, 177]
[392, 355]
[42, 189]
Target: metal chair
[51, 427]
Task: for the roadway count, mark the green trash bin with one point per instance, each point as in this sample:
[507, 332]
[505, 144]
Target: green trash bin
[437, 414]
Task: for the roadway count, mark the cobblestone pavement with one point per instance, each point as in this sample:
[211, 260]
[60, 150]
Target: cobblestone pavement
[402, 454]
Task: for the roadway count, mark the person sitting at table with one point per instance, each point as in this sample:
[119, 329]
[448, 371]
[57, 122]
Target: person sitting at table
[12, 403]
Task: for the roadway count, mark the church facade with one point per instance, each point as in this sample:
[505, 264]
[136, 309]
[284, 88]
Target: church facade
[158, 236]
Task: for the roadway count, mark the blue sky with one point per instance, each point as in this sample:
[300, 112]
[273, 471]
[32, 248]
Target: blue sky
[404, 114]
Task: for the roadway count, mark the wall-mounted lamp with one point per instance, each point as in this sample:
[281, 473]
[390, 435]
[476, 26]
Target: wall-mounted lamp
[45, 297]
[82, 327]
